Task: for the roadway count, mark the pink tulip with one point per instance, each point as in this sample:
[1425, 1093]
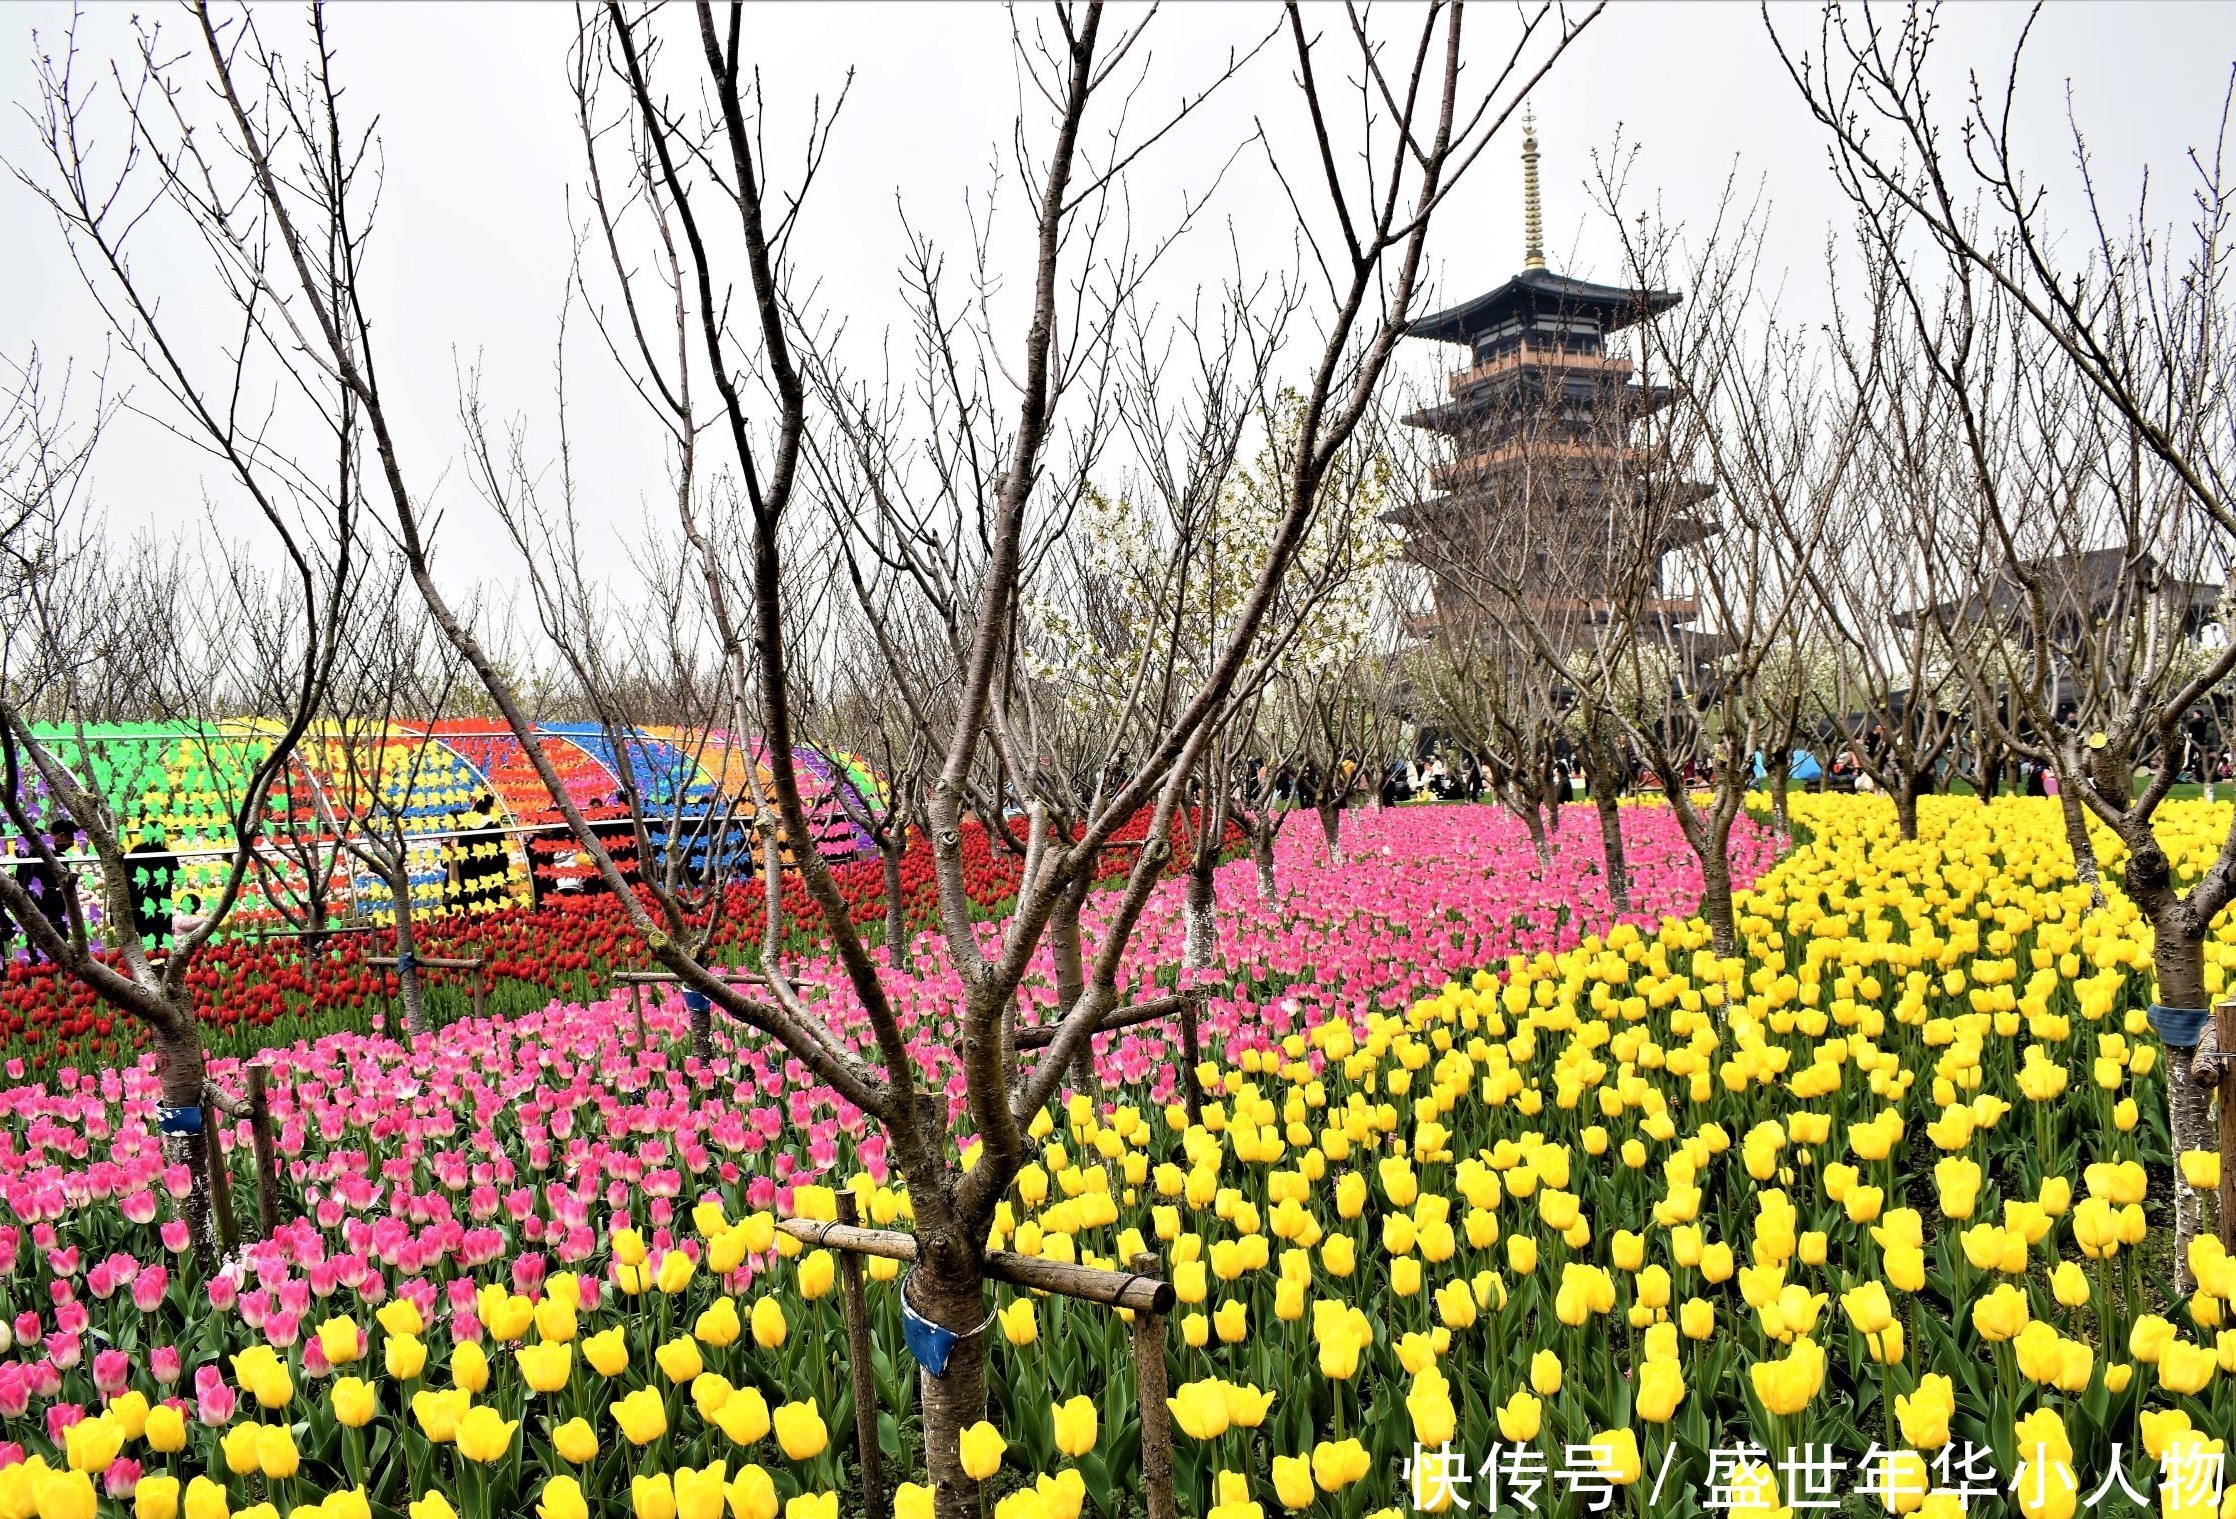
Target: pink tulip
[148, 1287]
[214, 1402]
[60, 1416]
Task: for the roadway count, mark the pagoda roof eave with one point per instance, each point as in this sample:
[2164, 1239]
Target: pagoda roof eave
[1617, 307]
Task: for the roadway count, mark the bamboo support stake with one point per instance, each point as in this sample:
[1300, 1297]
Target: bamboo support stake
[221, 1187]
[267, 1165]
[863, 1370]
[1149, 1392]
[1190, 1046]
[1143, 1292]
[2224, 1025]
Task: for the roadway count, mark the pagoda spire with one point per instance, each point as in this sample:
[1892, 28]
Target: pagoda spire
[1533, 216]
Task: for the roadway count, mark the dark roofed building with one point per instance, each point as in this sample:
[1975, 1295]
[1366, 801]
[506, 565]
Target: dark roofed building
[1543, 458]
[2095, 583]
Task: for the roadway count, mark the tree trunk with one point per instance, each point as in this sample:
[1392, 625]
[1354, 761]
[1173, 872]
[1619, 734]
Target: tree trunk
[1715, 892]
[1262, 835]
[1331, 827]
[702, 1032]
[1534, 820]
[1611, 842]
[1601, 776]
[1780, 775]
[408, 989]
[1071, 975]
[2178, 958]
[1906, 804]
[2076, 837]
[184, 1079]
[891, 845]
[772, 892]
[949, 1289]
[1990, 778]
[1200, 912]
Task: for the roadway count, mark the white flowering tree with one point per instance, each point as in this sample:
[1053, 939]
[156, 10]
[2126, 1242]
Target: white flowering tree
[1155, 584]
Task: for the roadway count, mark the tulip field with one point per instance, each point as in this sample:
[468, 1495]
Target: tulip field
[1497, 1203]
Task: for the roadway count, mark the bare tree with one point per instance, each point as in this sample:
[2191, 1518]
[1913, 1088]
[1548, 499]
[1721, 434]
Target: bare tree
[1641, 546]
[2086, 356]
[1486, 683]
[1419, 129]
[73, 613]
[396, 671]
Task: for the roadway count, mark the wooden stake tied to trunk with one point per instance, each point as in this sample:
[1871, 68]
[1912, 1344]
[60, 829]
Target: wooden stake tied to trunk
[267, 1162]
[862, 1370]
[1141, 1290]
[1149, 1391]
[213, 1163]
[2224, 1026]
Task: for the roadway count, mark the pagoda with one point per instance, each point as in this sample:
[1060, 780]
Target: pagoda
[1547, 484]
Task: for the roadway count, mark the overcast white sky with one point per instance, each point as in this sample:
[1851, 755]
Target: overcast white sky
[480, 151]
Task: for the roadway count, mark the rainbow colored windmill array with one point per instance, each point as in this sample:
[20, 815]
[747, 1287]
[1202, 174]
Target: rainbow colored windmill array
[480, 829]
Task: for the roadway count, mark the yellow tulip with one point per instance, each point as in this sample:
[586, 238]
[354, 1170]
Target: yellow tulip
[652, 1496]
[699, 1493]
[405, 1356]
[341, 1340]
[545, 1367]
[1618, 1458]
[206, 1500]
[165, 1430]
[768, 1323]
[90, 1445]
[562, 1499]
[679, 1359]
[800, 1433]
[1200, 1409]
[752, 1494]
[484, 1435]
[1661, 1387]
[607, 1352]
[1788, 1384]
[743, 1416]
[641, 1415]
[1247, 1406]
[719, 1325]
[982, 1448]
[575, 1441]
[66, 1495]
[438, 1413]
[469, 1367]
[157, 1497]
[2185, 1368]
[1076, 1423]
[1924, 1414]
[354, 1402]
[2001, 1314]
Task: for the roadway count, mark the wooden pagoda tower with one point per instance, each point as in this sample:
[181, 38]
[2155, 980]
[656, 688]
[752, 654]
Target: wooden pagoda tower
[1547, 482]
